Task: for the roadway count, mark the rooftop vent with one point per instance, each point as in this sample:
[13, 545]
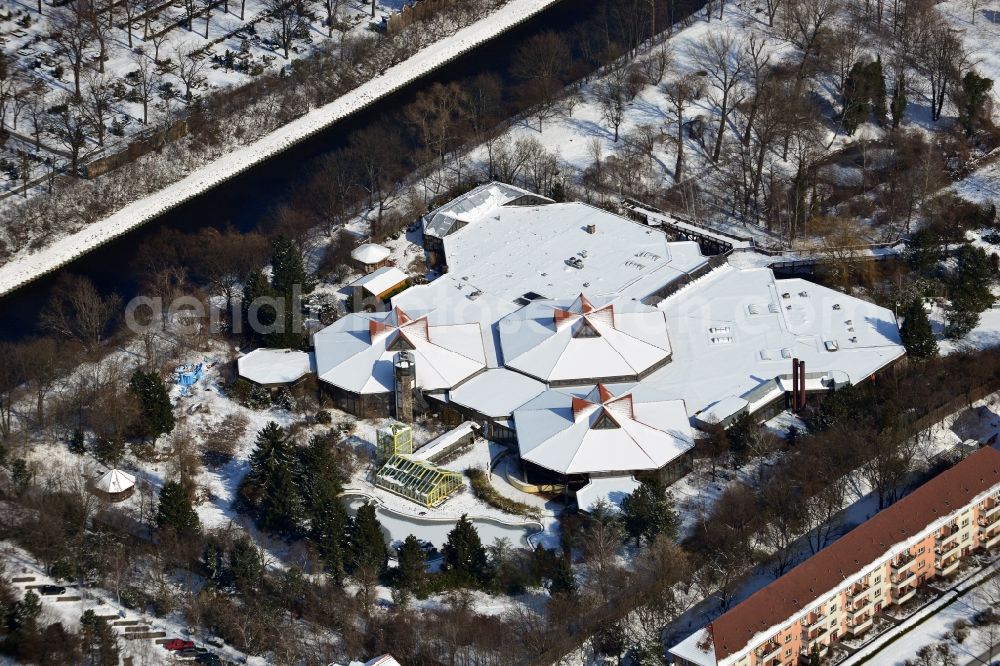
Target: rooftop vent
[804, 294]
[753, 309]
[765, 355]
[786, 353]
[591, 228]
[836, 306]
[786, 295]
[722, 340]
[773, 308]
[831, 345]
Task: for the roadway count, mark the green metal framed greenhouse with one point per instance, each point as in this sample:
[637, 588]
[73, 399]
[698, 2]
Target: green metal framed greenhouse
[418, 480]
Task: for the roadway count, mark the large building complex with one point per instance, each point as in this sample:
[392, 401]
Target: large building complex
[547, 318]
[838, 591]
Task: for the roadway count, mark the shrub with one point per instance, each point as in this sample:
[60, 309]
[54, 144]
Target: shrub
[250, 395]
[324, 417]
[484, 490]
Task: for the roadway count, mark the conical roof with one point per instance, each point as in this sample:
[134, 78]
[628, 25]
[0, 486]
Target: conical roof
[370, 253]
[115, 481]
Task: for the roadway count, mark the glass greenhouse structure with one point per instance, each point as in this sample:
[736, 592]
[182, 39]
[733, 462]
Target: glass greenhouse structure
[393, 439]
[418, 480]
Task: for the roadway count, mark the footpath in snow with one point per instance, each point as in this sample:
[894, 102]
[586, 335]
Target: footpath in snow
[25, 269]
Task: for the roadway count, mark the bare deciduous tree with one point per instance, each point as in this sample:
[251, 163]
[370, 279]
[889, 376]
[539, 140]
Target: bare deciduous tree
[719, 54]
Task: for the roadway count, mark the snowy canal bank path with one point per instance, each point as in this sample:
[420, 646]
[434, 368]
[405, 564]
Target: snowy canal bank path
[399, 525]
[24, 269]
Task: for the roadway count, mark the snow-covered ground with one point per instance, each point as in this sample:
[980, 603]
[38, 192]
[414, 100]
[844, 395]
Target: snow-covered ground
[27, 266]
[19, 564]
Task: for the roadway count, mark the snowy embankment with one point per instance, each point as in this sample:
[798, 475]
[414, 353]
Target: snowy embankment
[20, 271]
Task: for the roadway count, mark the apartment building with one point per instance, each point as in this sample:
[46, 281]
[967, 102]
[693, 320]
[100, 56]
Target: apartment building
[838, 592]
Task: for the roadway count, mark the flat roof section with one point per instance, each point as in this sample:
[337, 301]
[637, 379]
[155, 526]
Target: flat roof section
[269, 367]
[497, 392]
[733, 331]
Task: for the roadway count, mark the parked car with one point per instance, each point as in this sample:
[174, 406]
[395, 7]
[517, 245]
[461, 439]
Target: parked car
[215, 641]
[50, 590]
[178, 644]
[187, 654]
[208, 658]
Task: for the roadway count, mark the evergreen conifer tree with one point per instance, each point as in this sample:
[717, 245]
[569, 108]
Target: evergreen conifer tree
[648, 512]
[563, 580]
[289, 282]
[975, 92]
[876, 86]
[411, 574]
[464, 555]
[97, 640]
[322, 482]
[366, 546]
[77, 443]
[271, 486]
[918, 338]
[898, 106]
[287, 268]
[156, 415]
[175, 511]
[246, 565]
[257, 313]
[855, 98]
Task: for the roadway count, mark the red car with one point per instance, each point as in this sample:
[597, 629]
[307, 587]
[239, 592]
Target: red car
[178, 644]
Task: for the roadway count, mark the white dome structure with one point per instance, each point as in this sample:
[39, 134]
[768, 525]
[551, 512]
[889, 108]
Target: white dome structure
[370, 254]
[115, 485]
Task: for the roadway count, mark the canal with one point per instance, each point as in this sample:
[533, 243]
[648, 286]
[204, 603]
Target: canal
[246, 201]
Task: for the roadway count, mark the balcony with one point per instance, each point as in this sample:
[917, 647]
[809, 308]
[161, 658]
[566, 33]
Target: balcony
[947, 550]
[985, 522]
[769, 651]
[861, 627]
[903, 579]
[990, 540]
[813, 619]
[946, 568]
[991, 511]
[857, 591]
[861, 607]
[904, 595]
[901, 562]
[813, 637]
[946, 532]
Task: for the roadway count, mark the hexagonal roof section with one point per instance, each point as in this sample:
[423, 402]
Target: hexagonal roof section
[585, 340]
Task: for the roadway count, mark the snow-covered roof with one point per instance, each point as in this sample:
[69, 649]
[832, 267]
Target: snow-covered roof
[611, 489]
[722, 410]
[497, 392]
[733, 332]
[356, 353]
[370, 253]
[274, 366]
[381, 281]
[697, 648]
[606, 429]
[519, 254]
[384, 660]
[114, 481]
[585, 340]
[472, 206]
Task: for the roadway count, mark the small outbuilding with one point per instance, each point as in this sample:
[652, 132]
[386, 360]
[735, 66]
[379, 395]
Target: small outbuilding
[370, 256]
[114, 486]
[377, 287]
[273, 368]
